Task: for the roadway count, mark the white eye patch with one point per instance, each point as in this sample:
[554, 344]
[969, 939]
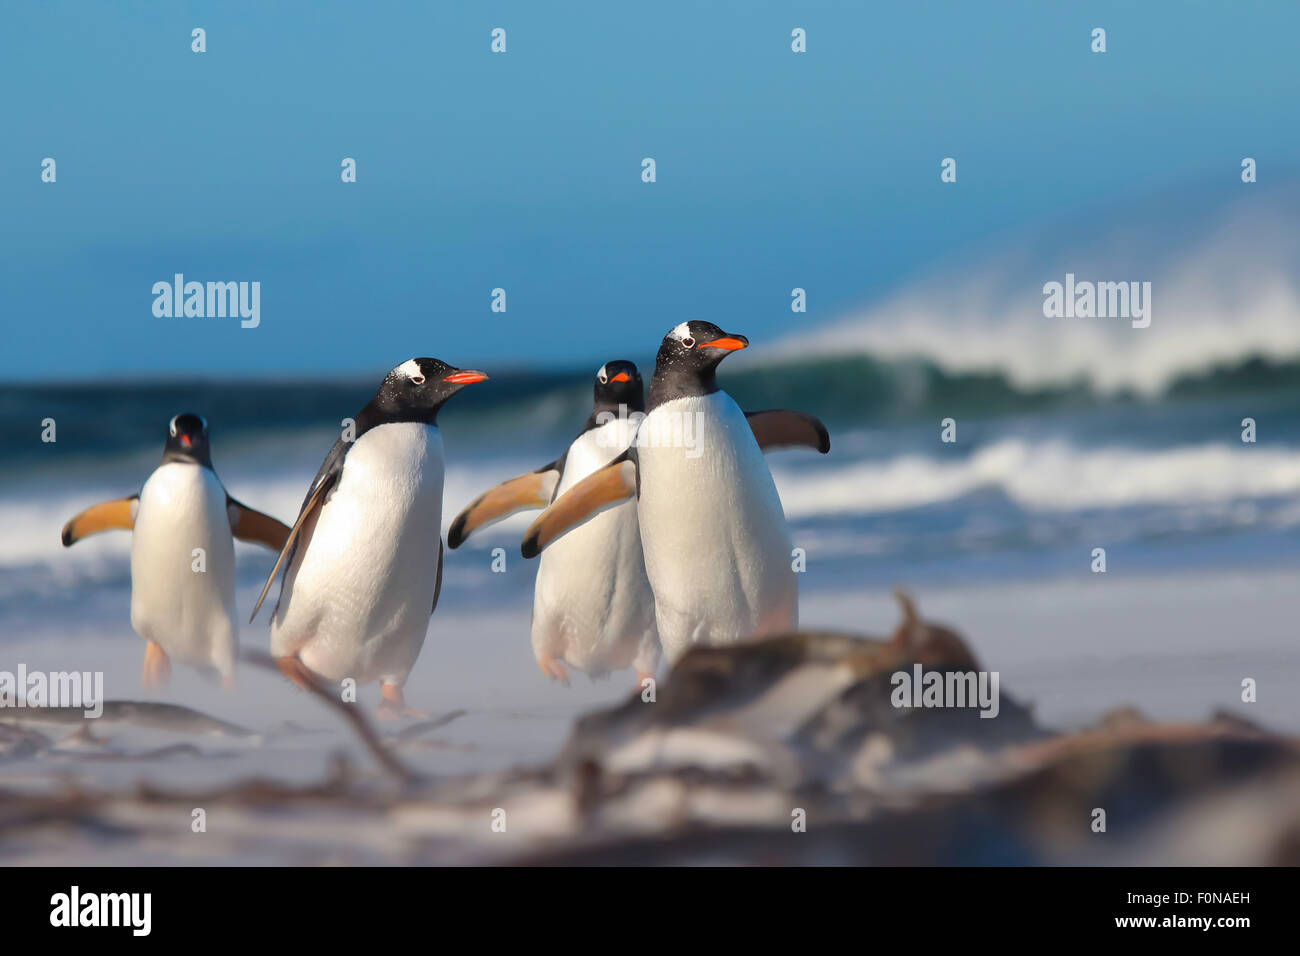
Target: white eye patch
[411, 369]
[171, 428]
[682, 333]
[602, 376]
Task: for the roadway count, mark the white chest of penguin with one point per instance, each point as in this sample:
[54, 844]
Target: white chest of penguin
[182, 558]
[708, 494]
[717, 547]
[386, 512]
[594, 449]
[358, 604]
[595, 573]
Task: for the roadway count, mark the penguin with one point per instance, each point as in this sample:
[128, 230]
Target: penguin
[592, 604]
[715, 540]
[363, 562]
[183, 523]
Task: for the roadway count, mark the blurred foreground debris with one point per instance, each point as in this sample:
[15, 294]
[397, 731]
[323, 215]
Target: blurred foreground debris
[788, 751]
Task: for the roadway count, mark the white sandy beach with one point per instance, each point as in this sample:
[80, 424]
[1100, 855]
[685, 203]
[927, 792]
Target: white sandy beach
[1174, 647]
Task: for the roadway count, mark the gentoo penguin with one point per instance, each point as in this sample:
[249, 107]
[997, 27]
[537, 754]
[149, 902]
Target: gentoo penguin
[363, 563]
[182, 598]
[592, 604]
[717, 547]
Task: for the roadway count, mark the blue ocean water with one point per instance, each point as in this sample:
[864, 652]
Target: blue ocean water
[1036, 479]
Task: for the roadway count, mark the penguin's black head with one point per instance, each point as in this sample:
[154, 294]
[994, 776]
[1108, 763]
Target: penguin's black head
[688, 360]
[618, 383]
[416, 389]
[187, 440]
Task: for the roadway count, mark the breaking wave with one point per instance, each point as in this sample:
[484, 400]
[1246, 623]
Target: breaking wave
[1051, 476]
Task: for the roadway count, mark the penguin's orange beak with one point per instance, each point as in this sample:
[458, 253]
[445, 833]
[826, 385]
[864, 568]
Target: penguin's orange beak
[466, 377]
[187, 441]
[728, 342]
[620, 377]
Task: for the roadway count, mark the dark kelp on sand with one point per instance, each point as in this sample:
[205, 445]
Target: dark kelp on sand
[787, 751]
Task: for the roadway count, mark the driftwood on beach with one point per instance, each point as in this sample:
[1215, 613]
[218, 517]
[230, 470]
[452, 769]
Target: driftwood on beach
[791, 750]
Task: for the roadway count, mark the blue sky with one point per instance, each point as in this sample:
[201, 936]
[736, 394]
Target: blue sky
[478, 170]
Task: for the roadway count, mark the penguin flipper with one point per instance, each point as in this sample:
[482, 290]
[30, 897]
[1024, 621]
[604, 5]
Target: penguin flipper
[599, 491]
[525, 492]
[249, 525]
[116, 515]
[778, 428]
[437, 587]
[309, 508]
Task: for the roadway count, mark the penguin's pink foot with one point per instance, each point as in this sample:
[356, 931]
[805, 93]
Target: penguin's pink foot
[554, 669]
[157, 667]
[392, 704]
[296, 671]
